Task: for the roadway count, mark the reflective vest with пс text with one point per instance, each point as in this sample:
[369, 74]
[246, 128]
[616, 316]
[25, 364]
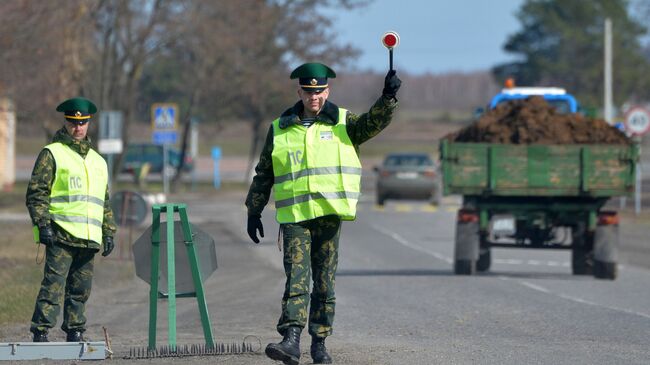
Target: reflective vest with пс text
[78, 192]
[316, 171]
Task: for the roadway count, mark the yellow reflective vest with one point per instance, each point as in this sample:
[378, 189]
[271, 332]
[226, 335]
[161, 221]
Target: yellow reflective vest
[316, 171]
[78, 192]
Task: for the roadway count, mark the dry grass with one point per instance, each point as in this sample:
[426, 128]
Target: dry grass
[20, 274]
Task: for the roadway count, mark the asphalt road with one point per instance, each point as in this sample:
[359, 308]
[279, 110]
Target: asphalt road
[398, 301]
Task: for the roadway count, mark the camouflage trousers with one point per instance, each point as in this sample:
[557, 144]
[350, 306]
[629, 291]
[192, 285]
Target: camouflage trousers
[310, 249]
[68, 275]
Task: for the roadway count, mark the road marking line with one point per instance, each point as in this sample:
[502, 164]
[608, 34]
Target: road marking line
[403, 208]
[535, 287]
[573, 298]
[410, 245]
[531, 262]
[429, 208]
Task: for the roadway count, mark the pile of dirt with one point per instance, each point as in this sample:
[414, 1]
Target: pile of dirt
[534, 121]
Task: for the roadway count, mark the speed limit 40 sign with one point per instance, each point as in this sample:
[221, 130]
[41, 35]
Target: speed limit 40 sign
[637, 120]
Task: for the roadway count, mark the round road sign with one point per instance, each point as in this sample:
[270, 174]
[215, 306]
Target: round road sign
[129, 208]
[390, 39]
[637, 120]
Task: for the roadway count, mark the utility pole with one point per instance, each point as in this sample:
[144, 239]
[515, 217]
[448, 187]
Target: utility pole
[609, 117]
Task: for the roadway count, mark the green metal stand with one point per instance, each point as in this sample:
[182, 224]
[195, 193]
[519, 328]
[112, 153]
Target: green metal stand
[171, 295]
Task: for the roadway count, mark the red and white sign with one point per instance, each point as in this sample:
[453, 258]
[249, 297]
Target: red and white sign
[390, 39]
[637, 120]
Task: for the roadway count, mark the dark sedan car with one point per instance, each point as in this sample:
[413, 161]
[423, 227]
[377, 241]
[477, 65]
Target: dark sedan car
[406, 176]
[137, 154]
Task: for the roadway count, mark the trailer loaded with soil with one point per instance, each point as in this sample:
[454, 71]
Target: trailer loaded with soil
[534, 173]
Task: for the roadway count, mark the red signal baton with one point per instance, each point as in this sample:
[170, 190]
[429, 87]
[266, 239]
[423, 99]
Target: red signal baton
[390, 40]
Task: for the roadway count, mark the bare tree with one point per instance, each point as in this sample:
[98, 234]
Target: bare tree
[131, 33]
[45, 47]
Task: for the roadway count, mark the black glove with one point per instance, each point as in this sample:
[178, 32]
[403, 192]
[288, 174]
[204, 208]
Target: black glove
[46, 235]
[255, 224]
[108, 245]
[391, 84]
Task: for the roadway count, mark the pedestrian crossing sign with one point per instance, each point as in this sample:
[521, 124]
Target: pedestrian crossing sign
[164, 117]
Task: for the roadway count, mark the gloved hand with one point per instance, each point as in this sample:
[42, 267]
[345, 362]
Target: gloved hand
[108, 245]
[255, 224]
[392, 83]
[46, 235]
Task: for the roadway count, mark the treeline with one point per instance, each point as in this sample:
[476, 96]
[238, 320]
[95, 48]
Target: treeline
[450, 91]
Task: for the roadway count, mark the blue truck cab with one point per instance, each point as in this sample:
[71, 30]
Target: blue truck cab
[557, 97]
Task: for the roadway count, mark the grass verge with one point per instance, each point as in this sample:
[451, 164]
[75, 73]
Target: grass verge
[20, 274]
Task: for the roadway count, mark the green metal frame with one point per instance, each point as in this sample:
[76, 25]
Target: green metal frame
[171, 294]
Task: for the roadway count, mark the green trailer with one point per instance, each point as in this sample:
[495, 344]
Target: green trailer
[537, 196]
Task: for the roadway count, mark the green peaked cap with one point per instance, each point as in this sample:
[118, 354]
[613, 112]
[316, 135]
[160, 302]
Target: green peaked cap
[312, 69]
[79, 104]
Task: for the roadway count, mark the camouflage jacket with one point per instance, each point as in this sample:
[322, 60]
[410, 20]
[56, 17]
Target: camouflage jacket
[360, 128]
[40, 185]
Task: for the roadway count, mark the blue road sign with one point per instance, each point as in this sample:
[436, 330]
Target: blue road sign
[164, 116]
[164, 119]
[164, 137]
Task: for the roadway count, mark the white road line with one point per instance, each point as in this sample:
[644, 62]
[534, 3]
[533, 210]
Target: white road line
[531, 262]
[410, 245]
[534, 286]
[573, 298]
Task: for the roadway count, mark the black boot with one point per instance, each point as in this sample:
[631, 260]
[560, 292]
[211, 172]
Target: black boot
[319, 351]
[40, 336]
[287, 351]
[75, 336]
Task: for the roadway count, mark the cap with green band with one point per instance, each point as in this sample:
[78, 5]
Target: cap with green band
[77, 109]
[313, 76]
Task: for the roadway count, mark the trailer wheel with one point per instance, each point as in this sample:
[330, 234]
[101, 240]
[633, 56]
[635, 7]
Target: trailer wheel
[484, 260]
[464, 267]
[605, 270]
[381, 199]
[467, 242]
[581, 251]
[606, 252]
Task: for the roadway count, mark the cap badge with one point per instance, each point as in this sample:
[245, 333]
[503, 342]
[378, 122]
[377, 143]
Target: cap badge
[313, 82]
[77, 114]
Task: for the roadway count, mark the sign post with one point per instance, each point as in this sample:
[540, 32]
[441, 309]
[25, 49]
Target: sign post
[216, 157]
[194, 148]
[164, 122]
[110, 138]
[637, 123]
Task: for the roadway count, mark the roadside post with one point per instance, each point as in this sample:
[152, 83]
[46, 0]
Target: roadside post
[110, 138]
[194, 148]
[637, 123]
[164, 123]
[216, 158]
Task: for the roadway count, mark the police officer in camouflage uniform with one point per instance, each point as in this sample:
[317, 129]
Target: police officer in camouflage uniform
[310, 159]
[68, 202]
